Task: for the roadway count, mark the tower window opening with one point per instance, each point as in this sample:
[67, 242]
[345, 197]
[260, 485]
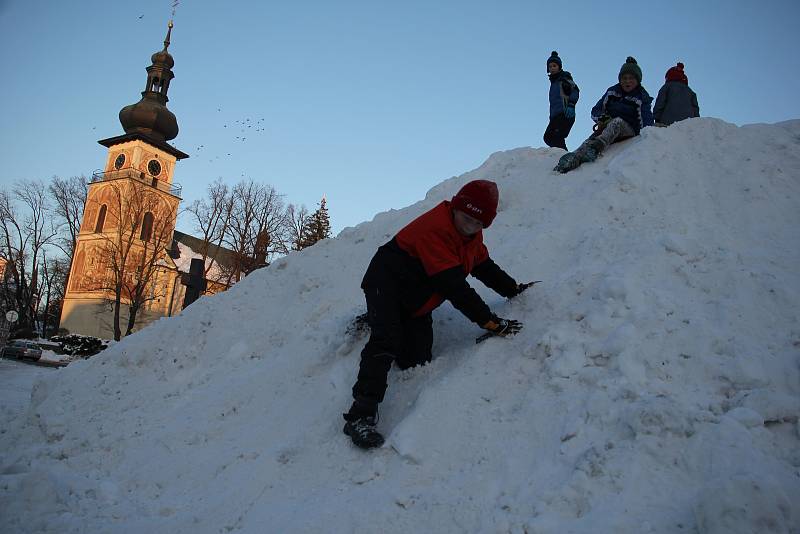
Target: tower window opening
[147, 227]
[101, 219]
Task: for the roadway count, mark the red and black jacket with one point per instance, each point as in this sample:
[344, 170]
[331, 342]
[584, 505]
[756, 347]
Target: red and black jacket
[428, 261]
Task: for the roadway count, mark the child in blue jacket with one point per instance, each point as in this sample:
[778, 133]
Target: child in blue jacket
[563, 98]
[620, 114]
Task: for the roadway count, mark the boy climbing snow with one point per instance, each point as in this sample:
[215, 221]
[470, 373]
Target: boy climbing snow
[426, 263]
[563, 98]
[621, 113]
[675, 101]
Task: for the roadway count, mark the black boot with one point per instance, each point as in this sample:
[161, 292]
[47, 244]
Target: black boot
[568, 162]
[361, 421]
[587, 152]
[362, 432]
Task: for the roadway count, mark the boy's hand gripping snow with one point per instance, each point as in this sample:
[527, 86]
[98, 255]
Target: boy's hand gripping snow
[500, 327]
[523, 287]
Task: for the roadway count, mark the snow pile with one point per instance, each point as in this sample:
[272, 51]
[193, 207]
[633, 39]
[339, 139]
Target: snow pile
[655, 387]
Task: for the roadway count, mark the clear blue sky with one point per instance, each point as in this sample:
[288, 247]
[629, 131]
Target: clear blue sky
[368, 102]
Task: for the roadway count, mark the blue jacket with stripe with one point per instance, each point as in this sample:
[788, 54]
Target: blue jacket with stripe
[633, 108]
[563, 91]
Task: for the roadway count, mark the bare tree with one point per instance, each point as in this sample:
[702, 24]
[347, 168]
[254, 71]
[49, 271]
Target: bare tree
[54, 273]
[69, 196]
[212, 215]
[69, 199]
[256, 230]
[296, 222]
[138, 227]
[248, 219]
[24, 234]
[143, 287]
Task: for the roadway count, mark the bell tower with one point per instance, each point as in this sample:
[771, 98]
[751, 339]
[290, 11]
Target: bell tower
[131, 207]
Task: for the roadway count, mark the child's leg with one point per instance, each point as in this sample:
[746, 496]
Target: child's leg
[418, 334]
[557, 131]
[616, 130]
[385, 317]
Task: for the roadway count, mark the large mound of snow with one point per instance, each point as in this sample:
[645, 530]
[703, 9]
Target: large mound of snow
[655, 387]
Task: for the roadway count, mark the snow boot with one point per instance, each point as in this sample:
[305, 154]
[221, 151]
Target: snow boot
[587, 152]
[568, 162]
[362, 432]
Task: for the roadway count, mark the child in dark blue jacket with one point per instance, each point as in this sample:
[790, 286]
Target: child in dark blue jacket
[620, 114]
[675, 101]
[563, 97]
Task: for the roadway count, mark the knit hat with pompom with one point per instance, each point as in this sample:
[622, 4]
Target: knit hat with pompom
[554, 59]
[676, 74]
[631, 67]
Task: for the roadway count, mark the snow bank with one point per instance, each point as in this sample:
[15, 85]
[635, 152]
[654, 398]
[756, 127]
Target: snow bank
[655, 387]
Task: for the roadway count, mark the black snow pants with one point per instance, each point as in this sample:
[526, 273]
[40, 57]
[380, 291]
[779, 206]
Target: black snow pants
[557, 131]
[395, 336]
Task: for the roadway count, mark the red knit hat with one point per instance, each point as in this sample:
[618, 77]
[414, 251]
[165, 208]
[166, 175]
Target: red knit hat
[675, 74]
[478, 199]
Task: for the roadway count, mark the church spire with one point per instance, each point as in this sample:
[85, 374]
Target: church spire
[166, 39]
[150, 115]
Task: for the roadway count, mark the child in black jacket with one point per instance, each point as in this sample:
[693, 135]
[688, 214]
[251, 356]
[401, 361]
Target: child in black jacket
[426, 263]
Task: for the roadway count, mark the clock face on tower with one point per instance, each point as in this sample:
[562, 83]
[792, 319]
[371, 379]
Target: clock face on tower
[154, 167]
[119, 162]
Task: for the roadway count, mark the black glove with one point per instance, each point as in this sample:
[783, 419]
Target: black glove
[601, 122]
[523, 287]
[503, 327]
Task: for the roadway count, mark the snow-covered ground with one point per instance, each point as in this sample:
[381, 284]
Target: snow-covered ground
[654, 389]
[16, 382]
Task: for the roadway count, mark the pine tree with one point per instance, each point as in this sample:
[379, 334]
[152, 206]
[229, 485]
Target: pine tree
[317, 228]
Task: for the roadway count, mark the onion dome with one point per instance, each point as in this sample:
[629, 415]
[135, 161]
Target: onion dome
[150, 115]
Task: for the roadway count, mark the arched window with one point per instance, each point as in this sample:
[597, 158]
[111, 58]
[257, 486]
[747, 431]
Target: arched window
[77, 274]
[147, 227]
[101, 219]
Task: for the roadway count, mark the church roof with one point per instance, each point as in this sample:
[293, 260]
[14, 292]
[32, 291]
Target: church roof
[186, 247]
[166, 147]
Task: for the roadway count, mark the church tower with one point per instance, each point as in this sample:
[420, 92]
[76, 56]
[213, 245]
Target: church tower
[129, 219]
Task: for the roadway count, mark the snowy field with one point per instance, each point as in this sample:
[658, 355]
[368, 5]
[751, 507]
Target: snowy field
[654, 389]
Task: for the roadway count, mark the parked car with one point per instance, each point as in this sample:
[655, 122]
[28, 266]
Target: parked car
[21, 349]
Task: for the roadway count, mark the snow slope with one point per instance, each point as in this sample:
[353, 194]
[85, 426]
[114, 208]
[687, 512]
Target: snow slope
[655, 387]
